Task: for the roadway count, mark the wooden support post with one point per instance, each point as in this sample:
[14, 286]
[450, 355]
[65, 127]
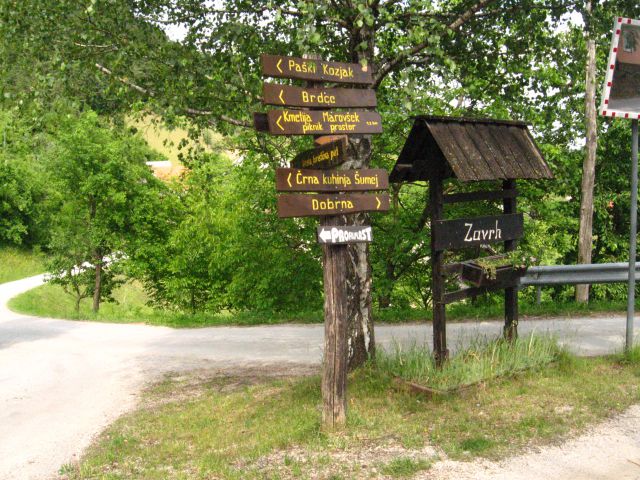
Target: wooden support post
[511, 293]
[334, 366]
[436, 201]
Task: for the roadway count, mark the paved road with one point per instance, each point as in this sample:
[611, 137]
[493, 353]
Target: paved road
[61, 381]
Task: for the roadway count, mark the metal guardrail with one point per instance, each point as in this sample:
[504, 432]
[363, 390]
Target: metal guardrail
[578, 274]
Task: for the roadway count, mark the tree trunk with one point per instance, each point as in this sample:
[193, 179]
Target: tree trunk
[361, 344]
[98, 284]
[585, 236]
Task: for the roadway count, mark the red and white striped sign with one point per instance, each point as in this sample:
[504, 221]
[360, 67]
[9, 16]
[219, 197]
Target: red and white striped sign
[627, 52]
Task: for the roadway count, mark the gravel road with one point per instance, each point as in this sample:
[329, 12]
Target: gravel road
[62, 382]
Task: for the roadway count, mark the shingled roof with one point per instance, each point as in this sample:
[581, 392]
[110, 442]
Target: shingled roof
[469, 150]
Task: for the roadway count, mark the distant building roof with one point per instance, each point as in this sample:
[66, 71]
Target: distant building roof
[469, 150]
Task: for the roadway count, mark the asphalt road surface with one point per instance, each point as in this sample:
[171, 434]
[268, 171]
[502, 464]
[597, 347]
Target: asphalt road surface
[62, 382]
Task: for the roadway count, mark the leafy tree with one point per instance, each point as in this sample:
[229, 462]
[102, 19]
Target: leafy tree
[99, 175]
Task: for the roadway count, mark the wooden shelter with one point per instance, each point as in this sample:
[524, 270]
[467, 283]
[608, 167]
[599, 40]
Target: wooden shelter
[470, 150]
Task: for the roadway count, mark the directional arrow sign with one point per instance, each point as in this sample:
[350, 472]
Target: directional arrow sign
[343, 235]
[300, 205]
[326, 156]
[298, 180]
[298, 122]
[315, 70]
[285, 95]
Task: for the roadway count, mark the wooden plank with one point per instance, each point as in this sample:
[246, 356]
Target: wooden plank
[471, 292]
[479, 196]
[260, 122]
[471, 232]
[286, 95]
[511, 293]
[452, 153]
[315, 70]
[300, 205]
[436, 206]
[329, 155]
[335, 361]
[324, 139]
[505, 150]
[298, 122]
[486, 143]
[342, 235]
[470, 153]
[360, 180]
[479, 145]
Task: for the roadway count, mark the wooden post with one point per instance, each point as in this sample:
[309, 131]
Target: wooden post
[511, 293]
[436, 201]
[334, 363]
[334, 366]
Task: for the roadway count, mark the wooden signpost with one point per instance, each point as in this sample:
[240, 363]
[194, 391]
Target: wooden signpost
[326, 156]
[311, 172]
[314, 70]
[345, 235]
[282, 95]
[299, 180]
[471, 232]
[302, 122]
[322, 205]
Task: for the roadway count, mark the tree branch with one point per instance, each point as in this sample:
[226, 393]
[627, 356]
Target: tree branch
[390, 65]
[192, 112]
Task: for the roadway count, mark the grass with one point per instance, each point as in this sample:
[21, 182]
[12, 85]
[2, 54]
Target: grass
[51, 301]
[17, 263]
[481, 361]
[223, 428]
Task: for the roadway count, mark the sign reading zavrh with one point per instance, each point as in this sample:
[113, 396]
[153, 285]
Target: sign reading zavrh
[469, 232]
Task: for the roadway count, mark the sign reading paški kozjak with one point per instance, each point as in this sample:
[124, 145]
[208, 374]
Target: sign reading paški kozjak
[285, 95]
[299, 122]
[326, 156]
[314, 70]
[298, 180]
[300, 205]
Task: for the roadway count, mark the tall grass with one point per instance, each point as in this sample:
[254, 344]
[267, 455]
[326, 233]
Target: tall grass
[478, 362]
[17, 263]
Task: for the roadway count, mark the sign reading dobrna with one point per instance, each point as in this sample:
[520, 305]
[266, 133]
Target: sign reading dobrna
[298, 122]
[297, 180]
[469, 232]
[345, 234]
[621, 93]
[286, 95]
[300, 205]
[326, 156]
[315, 70]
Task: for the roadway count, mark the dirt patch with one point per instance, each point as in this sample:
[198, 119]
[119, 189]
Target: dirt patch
[185, 386]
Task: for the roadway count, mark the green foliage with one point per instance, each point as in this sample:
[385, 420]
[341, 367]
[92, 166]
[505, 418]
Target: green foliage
[24, 203]
[17, 263]
[225, 248]
[100, 177]
[481, 361]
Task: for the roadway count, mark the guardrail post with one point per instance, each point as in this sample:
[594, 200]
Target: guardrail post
[631, 286]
